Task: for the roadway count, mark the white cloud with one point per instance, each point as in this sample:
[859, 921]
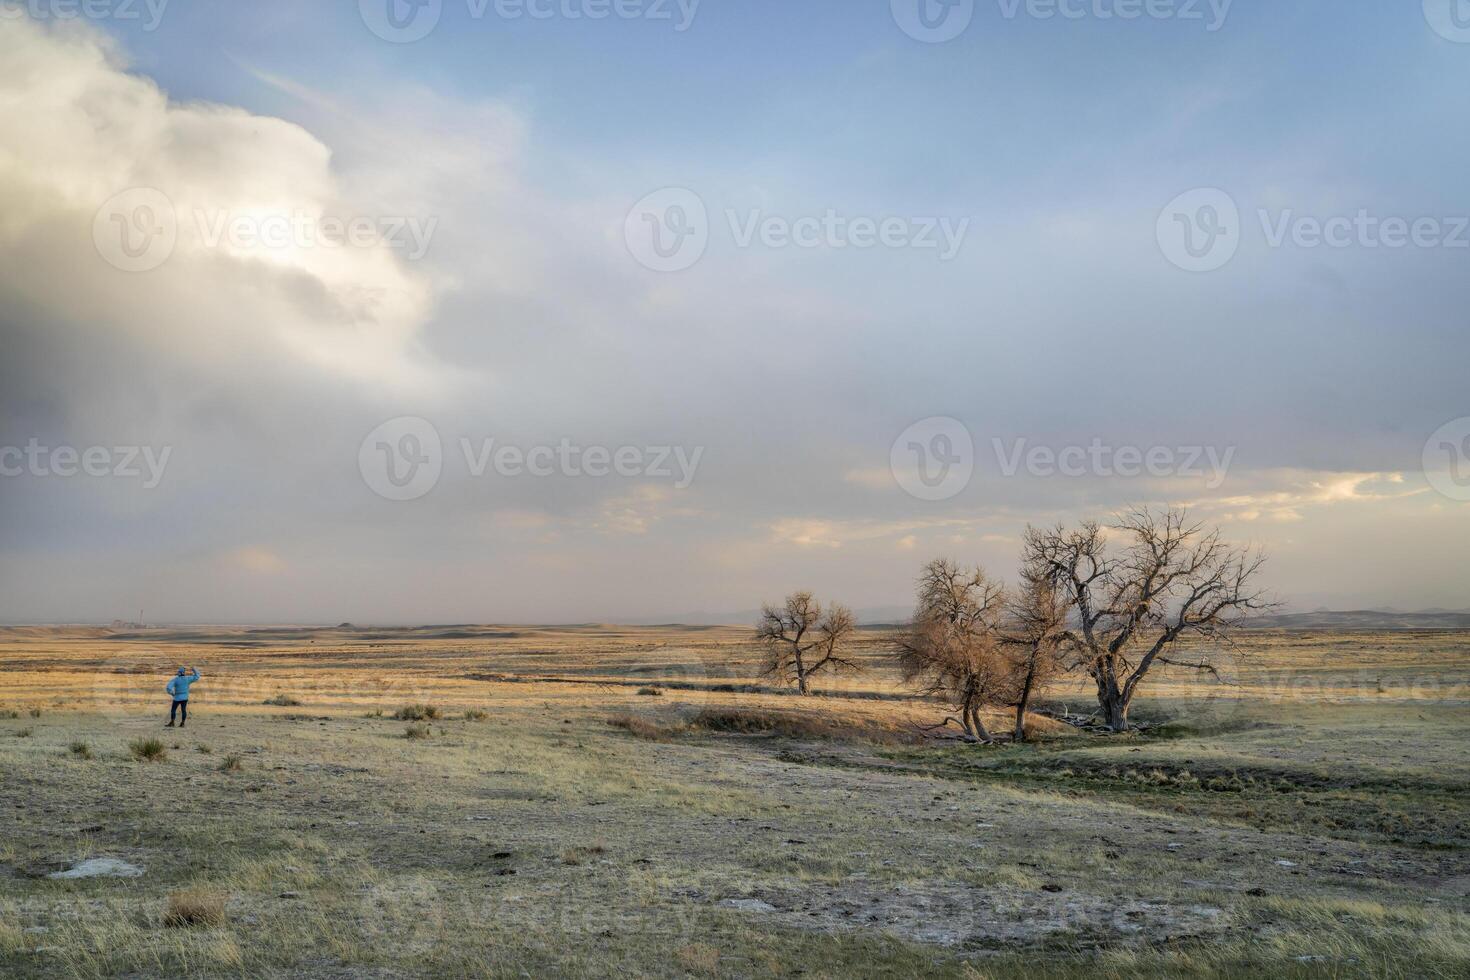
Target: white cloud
[80, 129]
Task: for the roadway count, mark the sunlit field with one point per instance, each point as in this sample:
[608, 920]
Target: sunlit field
[593, 800]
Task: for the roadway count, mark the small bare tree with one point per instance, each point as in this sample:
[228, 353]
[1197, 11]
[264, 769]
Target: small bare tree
[801, 640]
[953, 646]
[1036, 624]
[1130, 606]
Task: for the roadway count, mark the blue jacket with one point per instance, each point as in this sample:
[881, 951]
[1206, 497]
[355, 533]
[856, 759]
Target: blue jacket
[179, 686]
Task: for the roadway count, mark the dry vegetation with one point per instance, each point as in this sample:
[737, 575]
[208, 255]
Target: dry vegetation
[1303, 815]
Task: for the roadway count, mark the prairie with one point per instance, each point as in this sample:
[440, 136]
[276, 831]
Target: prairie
[582, 801]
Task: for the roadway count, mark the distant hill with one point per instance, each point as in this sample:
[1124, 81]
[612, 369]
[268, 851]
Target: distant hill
[1364, 620]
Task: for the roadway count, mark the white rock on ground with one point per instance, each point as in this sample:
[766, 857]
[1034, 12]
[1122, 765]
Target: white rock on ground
[748, 905]
[100, 868]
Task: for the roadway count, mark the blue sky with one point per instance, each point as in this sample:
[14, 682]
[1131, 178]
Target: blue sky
[1057, 145]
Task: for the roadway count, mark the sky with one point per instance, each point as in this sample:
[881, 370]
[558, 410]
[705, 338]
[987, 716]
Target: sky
[430, 311]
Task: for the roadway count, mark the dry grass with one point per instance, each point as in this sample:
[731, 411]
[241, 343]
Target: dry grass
[346, 852]
[231, 763]
[147, 750]
[417, 712]
[415, 732]
[643, 728]
[195, 907]
[476, 714]
[699, 959]
[283, 701]
[80, 750]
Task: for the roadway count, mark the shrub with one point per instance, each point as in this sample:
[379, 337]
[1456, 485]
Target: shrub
[416, 732]
[22, 733]
[650, 692]
[194, 907]
[747, 722]
[81, 750]
[283, 701]
[417, 712]
[203, 749]
[375, 713]
[35, 712]
[147, 750]
[9, 713]
[475, 714]
[231, 763]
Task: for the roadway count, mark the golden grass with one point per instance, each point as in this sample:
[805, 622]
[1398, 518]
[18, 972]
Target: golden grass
[345, 851]
[195, 907]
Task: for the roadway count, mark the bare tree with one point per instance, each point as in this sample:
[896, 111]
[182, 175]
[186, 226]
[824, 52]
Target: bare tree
[802, 640]
[1129, 607]
[953, 646]
[1035, 627]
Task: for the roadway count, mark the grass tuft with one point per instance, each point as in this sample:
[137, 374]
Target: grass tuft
[147, 750]
[194, 907]
[231, 763]
[476, 714]
[283, 701]
[417, 712]
[80, 749]
[415, 732]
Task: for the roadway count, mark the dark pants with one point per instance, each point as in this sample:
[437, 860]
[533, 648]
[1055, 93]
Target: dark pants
[181, 708]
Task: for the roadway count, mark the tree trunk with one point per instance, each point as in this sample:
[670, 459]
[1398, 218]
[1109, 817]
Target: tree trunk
[1021, 704]
[803, 685]
[1114, 706]
[977, 726]
[1115, 712]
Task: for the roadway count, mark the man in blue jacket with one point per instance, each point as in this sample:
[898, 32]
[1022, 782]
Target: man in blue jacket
[179, 688]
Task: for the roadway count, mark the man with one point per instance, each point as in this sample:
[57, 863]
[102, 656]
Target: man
[179, 688]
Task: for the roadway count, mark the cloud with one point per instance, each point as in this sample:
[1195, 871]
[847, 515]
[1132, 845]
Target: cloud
[525, 319]
[257, 271]
[1284, 495]
[260, 561]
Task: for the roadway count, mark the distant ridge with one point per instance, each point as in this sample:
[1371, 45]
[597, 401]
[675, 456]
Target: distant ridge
[1364, 620]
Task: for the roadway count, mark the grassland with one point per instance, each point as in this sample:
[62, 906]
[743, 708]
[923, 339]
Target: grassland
[1305, 816]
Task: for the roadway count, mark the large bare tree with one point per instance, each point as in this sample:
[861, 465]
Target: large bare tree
[953, 646]
[1168, 578]
[802, 640]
